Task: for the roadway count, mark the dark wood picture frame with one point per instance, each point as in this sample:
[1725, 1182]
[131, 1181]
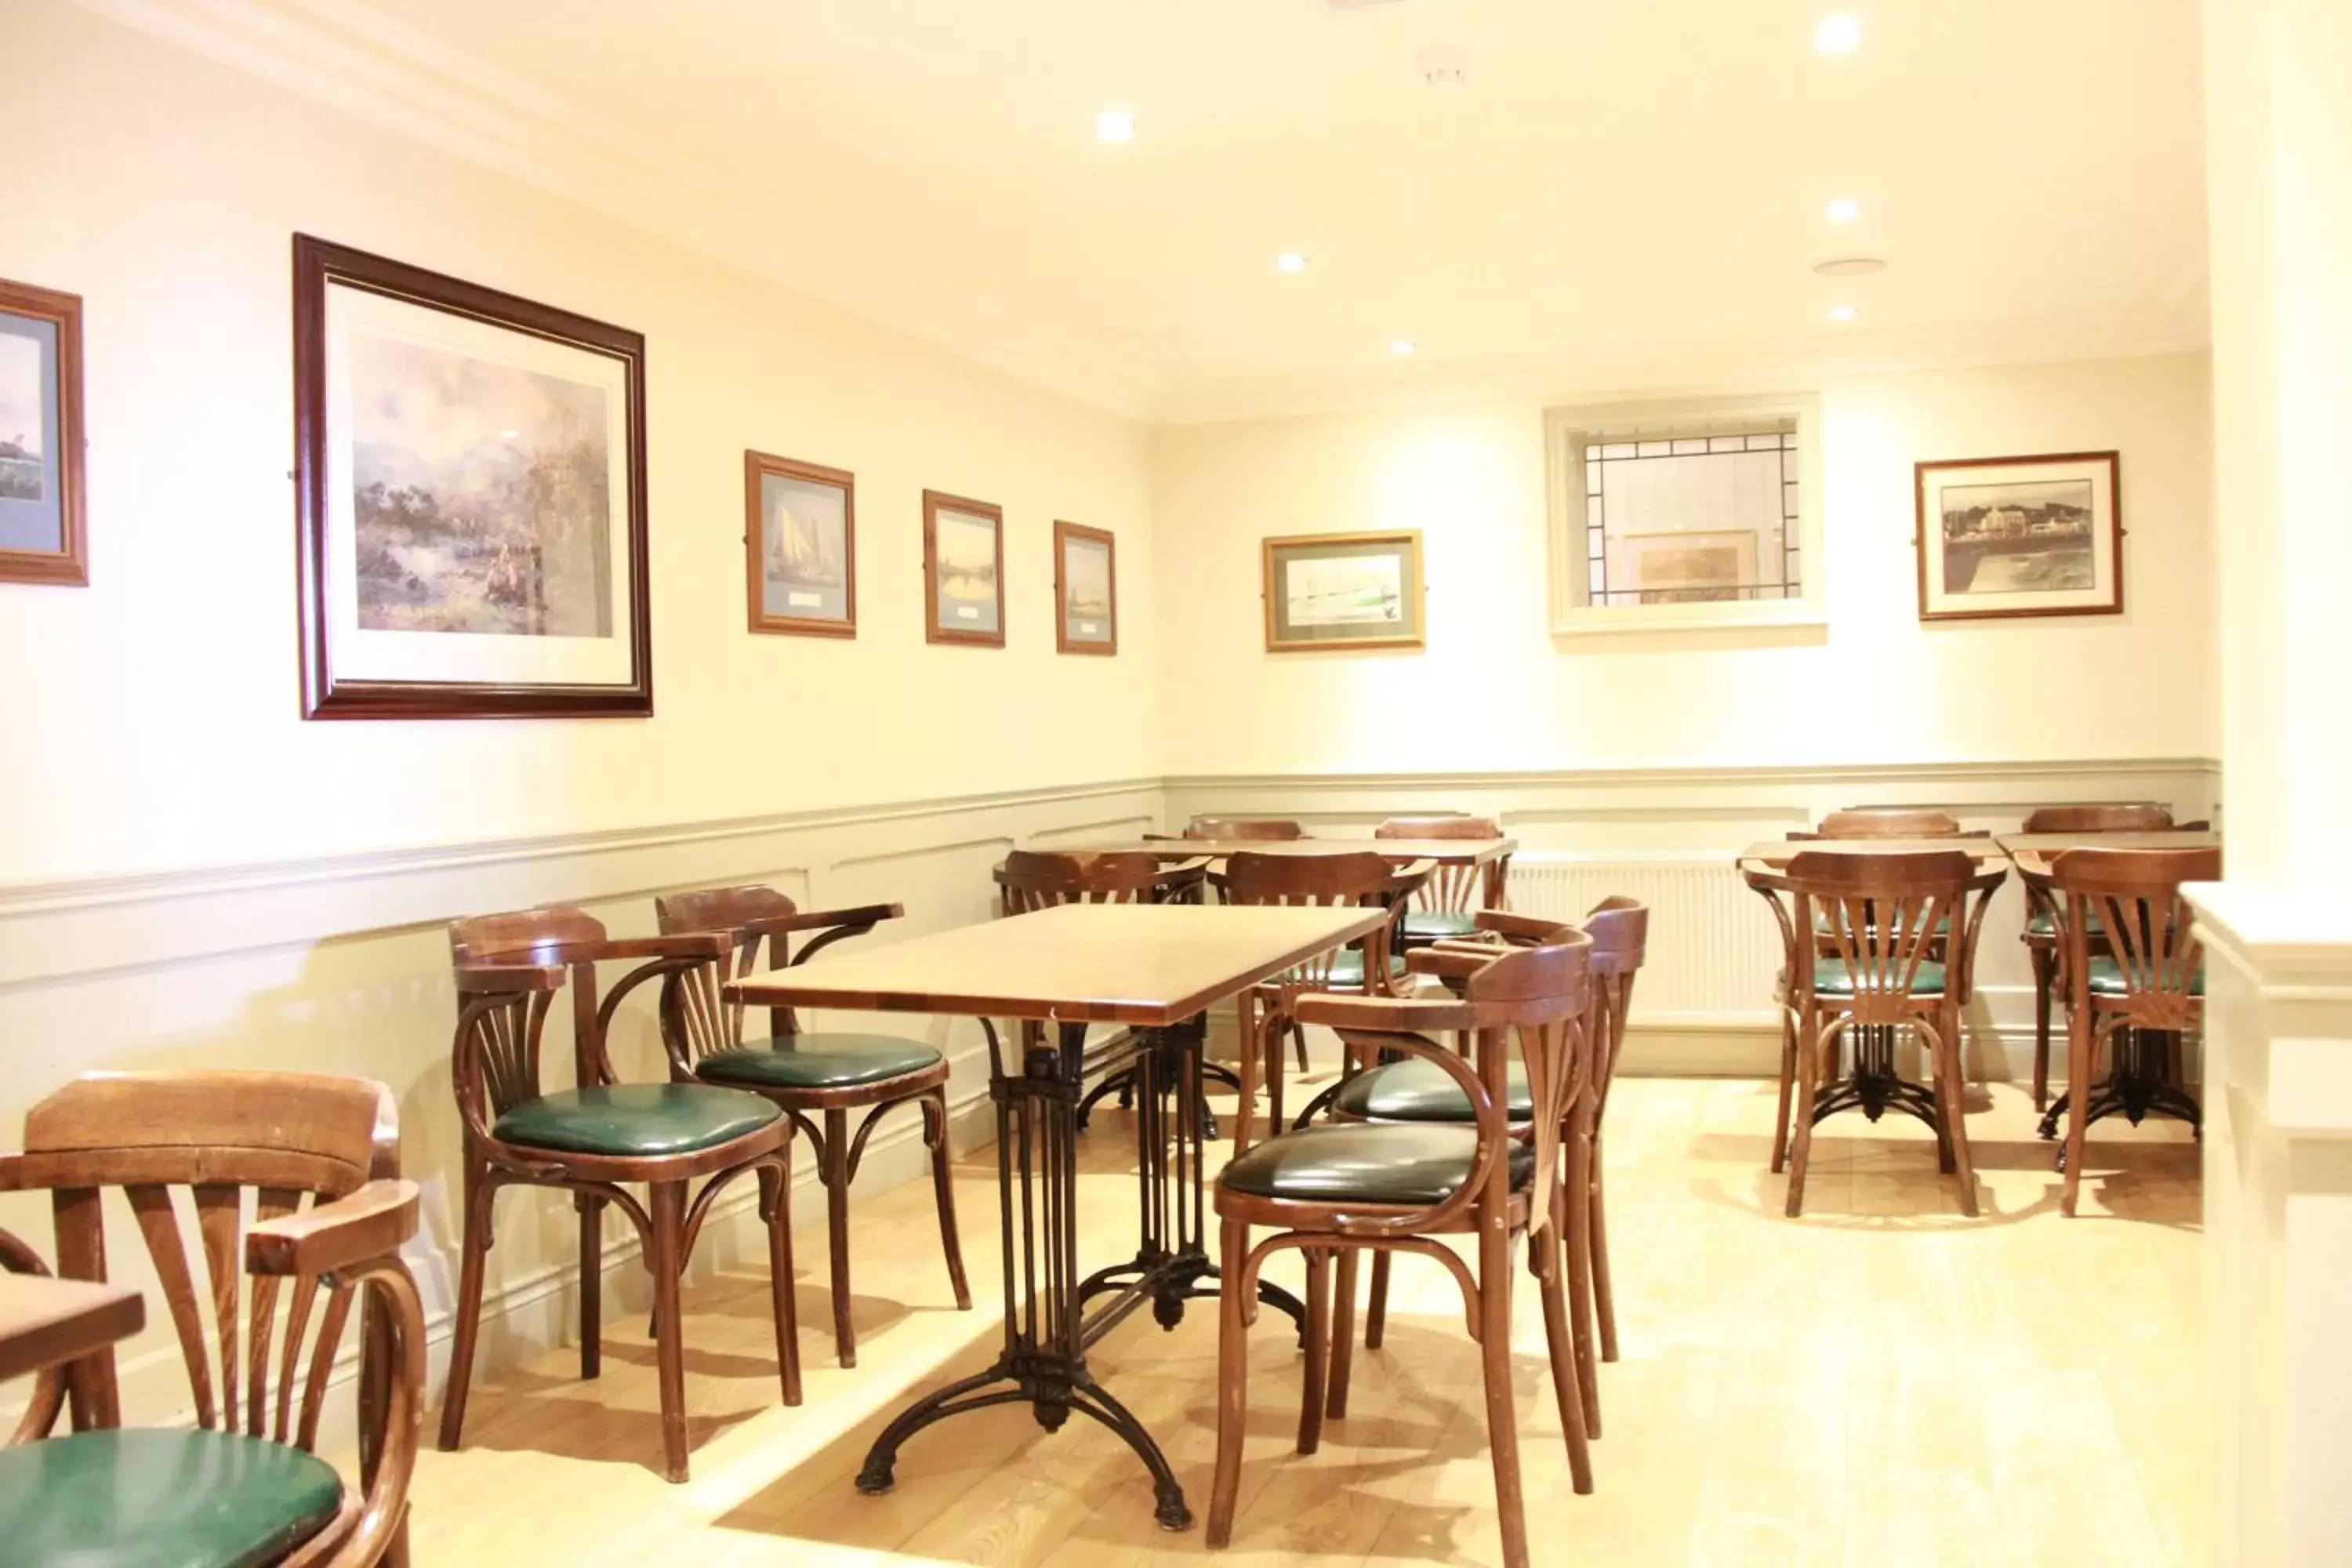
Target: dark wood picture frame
[67, 566]
[1065, 640]
[1406, 545]
[757, 466]
[935, 502]
[319, 265]
[1929, 535]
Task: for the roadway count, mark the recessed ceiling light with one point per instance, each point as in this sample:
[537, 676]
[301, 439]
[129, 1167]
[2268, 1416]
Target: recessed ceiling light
[1290, 261]
[1114, 125]
[1842, 312]
[1844, 210]
[1402, 347]
[1850, 266]
[1838, 35]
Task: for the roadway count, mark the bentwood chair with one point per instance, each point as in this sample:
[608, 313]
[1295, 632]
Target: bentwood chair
[1884, 916]
[1888, 822]
[2042, 914]
[1412, 1091]
[1447, 903]
[1339, 1188]
[2150, 982]
[591, 1139]
[812, 1074]
[1275, 829]
[1369, 966]
[1029, 880]
[244, 1486]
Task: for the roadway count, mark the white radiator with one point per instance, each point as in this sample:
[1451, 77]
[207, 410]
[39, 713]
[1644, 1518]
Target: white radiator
[1714, 948]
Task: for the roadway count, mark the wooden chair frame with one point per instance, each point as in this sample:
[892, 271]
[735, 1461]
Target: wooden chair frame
[508, 968]
[752, 915]
[1276, 829]
[1536, 996]
[2042, 949]
[288, 1136]
[1451, 888]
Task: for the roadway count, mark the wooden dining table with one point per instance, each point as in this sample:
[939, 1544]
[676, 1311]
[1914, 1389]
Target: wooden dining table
[1155, 968]
[2032, 852]
[45, 1322]
[1776, 853]
[1442, 851]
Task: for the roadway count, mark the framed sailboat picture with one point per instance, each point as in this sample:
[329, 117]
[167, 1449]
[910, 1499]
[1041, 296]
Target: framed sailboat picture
[800, 539]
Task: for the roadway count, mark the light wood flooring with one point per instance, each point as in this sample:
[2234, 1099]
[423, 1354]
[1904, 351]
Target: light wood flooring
[1882, 1383]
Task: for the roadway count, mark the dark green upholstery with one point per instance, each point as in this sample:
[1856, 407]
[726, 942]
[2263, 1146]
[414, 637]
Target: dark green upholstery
[1830, 978]
[635, 1120]
[2044, 924]
[2107, 979]
[163, 1498]
[1417, 1090]
[816, 1061]
[1374, 1162]
[1821, 923]
[1439, 923]
[1348, 970]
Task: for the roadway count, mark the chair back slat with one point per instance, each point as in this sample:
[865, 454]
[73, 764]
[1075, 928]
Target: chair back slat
[2103, 816]
[167, 1252]
[1032, 880]
[1880, 916]
[2132, 898]
[1342, 879]
[495, 1058]
[303, 1297]
[1453, 888]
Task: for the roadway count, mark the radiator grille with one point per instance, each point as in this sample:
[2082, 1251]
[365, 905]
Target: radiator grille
[1714, 950]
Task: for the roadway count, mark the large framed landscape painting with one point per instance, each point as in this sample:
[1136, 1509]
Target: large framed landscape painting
[1086, 589]
[41, 512]
[801, 532]
[963, 571]
[1687, 568]
[1326, 591]
[471, 484]
[2021, 536]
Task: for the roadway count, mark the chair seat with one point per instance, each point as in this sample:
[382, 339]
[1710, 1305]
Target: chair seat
[817, 1061]
[1821, 923]
[1832, 978]
[1348, 970]
[2046, 924]
[1418, 1090]
[160, 1498]
[636, 1120]
[1434, 923]
[1375, 1163]
[2106, 977]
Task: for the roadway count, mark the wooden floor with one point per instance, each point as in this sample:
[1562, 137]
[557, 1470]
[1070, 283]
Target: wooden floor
[1882, 1383]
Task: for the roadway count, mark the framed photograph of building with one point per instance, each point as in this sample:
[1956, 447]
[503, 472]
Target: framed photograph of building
[1085, 590]
[41, 508]
[470, 491]
[801, 546]
[963, 571]
[2021, 536]
[1326, 591]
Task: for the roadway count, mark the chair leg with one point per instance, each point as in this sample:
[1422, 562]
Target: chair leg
[2080, 1048]
[592, 1284]
[1495, 1352]
[1272, 1035]
[935, 1133]
[1567, 1387]
[1232, 1388]
[836, 1172]
[1801, 1148]
[1571, 1236]
[1956, 1113]
[1298, 1042]
[1787, 1084]
[1605, 1298]
[668, 1214]
[1319, 1349]
[776, 1208]
[1343, 1336]
[2045, 972]
[1376, 1317]
[477, 1249]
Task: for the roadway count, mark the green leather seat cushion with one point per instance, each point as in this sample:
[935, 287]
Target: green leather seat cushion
[1830, 978]
[2042, 923]
[1439, 923]
[1417, 1090]
[2107, 979]
[635, 1118]
[1348, 970]
[817, 1061]
[1821, 923]
[1374, 1162]
[160, 1498]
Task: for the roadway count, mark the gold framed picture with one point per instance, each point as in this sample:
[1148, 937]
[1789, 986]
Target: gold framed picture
[2001, 537]
[800, 544]
[963, 571]
[1085, 590]
[1331, 591]
[42, 521]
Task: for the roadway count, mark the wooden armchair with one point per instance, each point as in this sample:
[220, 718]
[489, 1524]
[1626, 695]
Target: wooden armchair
[810, 1074]
[2041, 938]
[1448, 904]
[590, 1140]
[243, 1486]
[1337, 1189]
[1888, 822]
[1277, 829]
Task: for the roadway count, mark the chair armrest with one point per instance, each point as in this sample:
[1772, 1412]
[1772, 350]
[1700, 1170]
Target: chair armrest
[372, 1222]
[1384, 1015]
[509, 977]
[1449, 962]
[678, 944]
[12, 1172]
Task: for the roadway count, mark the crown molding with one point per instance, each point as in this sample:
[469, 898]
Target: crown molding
[350, 57]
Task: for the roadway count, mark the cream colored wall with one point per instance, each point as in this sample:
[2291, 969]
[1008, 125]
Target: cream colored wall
[1877, 688]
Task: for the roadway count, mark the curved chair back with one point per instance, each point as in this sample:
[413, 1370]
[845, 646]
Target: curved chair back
[544, 935]
[1619, 929]
[2132, 897]
[1343, 878]
[1543, 996]
[1439, 825]
[1879, 915]
[2108, 816]
[1454, 887]
[1279, 828]
[1888, 822]
[1033, 879]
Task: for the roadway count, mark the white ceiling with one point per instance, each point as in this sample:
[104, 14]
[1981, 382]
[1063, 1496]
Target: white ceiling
[1625, 192]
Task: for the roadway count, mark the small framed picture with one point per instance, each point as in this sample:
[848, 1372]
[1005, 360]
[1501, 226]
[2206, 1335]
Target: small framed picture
[1343, 590]
[963, 570]
[41, 510]
[2021, 536]
[471, 499]
[1086, 586]
[801, 541]
[1687, 568]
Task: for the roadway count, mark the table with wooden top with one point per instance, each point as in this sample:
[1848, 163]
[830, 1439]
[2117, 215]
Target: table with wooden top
[1776, 853]
[1443, 851]
[45, 1322]
[2032, 852]
[1156, 968]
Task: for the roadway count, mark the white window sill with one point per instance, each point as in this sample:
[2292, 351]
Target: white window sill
[1641, 620]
